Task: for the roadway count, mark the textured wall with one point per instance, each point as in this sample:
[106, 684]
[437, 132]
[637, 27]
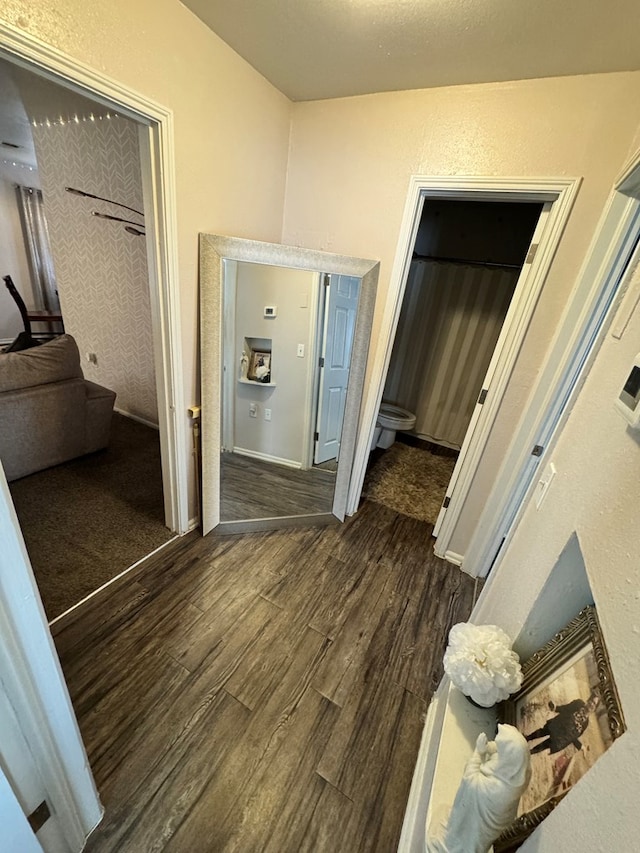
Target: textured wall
[347, 188]
[101, 269]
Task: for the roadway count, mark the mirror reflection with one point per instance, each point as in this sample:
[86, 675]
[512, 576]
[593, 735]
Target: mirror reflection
[287, 351]
[292, 332]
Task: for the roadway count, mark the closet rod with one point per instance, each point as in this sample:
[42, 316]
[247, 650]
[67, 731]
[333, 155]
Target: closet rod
[417, 257]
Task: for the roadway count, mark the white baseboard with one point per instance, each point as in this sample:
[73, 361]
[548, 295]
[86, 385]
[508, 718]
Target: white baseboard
[452, 557]
[136, 418]
[289, 463]
[192, 524]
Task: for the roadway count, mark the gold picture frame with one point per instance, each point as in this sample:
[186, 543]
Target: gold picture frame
[569, 710]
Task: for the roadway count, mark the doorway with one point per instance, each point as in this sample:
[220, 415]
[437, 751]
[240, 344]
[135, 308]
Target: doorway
[90, 518]
[465, 266]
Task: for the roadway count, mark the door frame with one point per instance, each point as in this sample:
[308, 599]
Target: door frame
[599, 293]
[31, 671]
[158, 178]
[561, 194]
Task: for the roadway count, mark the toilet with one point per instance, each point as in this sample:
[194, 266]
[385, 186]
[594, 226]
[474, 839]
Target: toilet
[390, 420]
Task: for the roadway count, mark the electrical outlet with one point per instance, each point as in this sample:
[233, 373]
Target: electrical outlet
[92, 357]
[267, 414]
[300, 351]
[253, 410]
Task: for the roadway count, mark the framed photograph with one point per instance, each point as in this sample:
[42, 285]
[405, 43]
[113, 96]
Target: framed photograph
[259, 366]
[569, 711]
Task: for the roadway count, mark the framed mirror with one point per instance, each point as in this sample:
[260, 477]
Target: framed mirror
[284, 340]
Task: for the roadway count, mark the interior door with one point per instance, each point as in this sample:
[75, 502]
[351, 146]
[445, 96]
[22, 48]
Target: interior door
[341, 304]
[19, 772]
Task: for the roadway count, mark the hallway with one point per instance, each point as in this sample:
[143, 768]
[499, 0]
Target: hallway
[264, 692]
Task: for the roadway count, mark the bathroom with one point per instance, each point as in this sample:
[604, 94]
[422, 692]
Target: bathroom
[466, 262]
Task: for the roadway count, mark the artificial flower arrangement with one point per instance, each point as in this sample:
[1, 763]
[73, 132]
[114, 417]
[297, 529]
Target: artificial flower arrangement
[480, 662]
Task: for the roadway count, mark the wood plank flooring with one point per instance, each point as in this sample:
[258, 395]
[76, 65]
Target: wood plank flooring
[264, 692]
[254, 488]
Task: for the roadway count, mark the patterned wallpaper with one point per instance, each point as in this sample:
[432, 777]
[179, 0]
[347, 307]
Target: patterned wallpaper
[101, 269]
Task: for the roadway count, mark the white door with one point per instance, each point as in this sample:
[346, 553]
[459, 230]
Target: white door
[17, 836]
[341, 304]
[18, 768]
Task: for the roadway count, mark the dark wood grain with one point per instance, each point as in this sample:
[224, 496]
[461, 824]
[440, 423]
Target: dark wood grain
[264, 692]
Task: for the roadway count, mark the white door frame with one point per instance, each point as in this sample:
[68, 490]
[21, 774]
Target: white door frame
[31, 671]
[561, 193]
[599, 290]
[157, 165]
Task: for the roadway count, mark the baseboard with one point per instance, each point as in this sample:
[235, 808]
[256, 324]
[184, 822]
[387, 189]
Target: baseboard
[192, 524]
[136, 418]
[289, 463]
[452, 557]
[412, 838]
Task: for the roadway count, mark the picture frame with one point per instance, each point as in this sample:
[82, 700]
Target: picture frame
[569, 710]
[259, 359]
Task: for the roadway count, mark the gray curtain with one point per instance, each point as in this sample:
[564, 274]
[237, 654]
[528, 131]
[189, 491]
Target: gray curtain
[36, 237]
[450, 321]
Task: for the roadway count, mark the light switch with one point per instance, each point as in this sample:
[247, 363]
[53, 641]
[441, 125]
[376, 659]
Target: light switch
[300, 351]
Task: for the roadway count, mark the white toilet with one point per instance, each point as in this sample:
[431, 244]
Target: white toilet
[390, 420]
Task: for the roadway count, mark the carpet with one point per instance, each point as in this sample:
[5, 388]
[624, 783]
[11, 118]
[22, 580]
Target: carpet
[87, 520]
[409, 480]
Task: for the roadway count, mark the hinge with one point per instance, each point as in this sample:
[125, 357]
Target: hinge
[446, 502]
[321, 362]
[326, 280]
[39, 816]
[537, 450]
[316, 436]
[533, 248]
[483, 396]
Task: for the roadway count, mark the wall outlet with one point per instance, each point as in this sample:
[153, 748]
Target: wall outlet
[253, 410]
[267, 414]
[92, 357]
[300, 352]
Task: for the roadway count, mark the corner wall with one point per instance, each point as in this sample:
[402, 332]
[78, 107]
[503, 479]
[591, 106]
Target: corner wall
[351, 160]
[594, 497]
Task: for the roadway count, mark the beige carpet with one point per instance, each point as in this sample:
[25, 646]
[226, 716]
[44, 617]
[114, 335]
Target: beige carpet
[409, 480]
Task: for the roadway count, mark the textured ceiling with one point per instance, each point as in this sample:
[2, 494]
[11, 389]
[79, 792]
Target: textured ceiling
[311, 49]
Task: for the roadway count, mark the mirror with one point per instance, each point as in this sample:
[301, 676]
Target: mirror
[284, 341]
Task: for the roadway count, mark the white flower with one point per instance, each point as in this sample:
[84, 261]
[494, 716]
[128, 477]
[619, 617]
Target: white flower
[481, 663]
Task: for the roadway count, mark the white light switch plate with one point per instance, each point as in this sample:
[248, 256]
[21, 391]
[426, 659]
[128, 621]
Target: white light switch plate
[544, 482]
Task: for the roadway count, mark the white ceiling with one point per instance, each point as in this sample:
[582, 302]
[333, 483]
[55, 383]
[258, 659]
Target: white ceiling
[312, 49]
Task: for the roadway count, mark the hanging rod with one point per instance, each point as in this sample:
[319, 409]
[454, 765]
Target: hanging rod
[417, 257]
[101, 198]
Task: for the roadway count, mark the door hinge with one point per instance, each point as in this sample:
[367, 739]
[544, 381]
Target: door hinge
[537, 450]
[316, 436]
[483, 396]
[533, 248]
[326, 279]
[39, 816]
[321, 362]
[446, 502]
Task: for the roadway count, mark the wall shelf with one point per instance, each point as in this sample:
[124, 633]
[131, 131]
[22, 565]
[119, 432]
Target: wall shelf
[257, 382]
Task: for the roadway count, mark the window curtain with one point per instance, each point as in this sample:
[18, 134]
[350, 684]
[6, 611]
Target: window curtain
[36, 237]
[449, 325]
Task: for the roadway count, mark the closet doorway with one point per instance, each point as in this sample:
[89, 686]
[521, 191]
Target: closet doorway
[466, 262]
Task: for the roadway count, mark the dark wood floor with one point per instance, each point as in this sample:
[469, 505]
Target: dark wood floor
[264, 692]
[255, 488]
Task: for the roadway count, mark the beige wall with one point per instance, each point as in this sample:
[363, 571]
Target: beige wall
[294, 292]
[351, 160]
[594, 495]
[231, 126]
